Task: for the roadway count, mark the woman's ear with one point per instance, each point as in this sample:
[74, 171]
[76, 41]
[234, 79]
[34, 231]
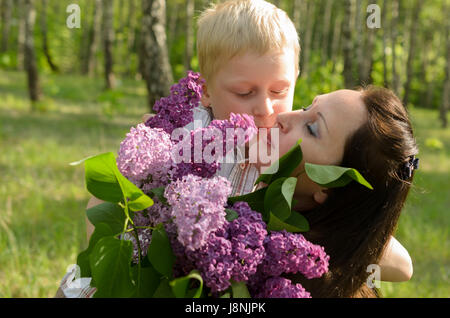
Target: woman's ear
[320, 196]
[206, 98]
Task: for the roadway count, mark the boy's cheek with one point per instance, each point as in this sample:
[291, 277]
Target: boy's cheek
[219, 113]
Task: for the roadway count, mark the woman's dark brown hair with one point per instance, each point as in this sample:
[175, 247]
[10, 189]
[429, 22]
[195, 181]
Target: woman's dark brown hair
[355, 223]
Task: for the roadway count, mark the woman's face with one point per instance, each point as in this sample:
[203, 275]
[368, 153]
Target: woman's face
[324, 128]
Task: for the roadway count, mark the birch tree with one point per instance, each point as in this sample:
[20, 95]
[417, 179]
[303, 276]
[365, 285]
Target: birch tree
[412, 50]
[29, 53]
[155, 65]
[446, 93]
[108, 40]
[45, 45]
[6, 13]
[348, 46]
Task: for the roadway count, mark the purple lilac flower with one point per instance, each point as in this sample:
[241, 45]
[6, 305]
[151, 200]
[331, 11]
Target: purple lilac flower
[145, 156]
[232, 252]
[158, 212]
[247, 234]
[279, 287]
[215, 262]
[292, 253]
[144, 235]
[242, 125]
[197, 207]
[175, 110]
[197, 166]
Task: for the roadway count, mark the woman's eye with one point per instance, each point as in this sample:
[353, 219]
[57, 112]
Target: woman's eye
[307, 108]
[312, 129]
[244, 94]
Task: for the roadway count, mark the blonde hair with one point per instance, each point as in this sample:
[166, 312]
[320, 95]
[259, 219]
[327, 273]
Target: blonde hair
[239, 26]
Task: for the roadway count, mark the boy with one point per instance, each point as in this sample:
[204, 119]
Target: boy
[248, 54]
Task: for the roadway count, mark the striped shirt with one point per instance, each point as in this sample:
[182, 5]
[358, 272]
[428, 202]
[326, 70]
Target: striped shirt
[241, 174]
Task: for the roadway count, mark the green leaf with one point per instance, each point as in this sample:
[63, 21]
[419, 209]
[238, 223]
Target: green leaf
[288, 189]
[101, 180]
[110, 265]
[101, 230]
[164, 290]
[294, 224]
[231, 215]
[334, 176]
[284, 166]
[180, 285]
[240, 290]
[254, 199]
[274, 201]
[141, 202]
[109, 213]
[159, 193]
[160, 252]
[76, 163]
[150, 280]
[104, 181]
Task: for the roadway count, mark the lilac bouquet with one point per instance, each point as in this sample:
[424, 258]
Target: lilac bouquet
[169, 228]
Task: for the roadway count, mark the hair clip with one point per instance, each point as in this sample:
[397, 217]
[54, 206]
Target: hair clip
[409, 166]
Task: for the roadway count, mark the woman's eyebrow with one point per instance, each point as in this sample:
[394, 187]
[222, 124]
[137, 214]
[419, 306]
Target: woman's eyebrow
[324, 121]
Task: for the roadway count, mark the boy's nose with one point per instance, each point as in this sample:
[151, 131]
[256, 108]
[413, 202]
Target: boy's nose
[263, 108]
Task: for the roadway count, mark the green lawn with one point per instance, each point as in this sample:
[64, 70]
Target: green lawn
[43, 198]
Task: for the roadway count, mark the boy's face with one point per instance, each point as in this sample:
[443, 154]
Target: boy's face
[261, 86]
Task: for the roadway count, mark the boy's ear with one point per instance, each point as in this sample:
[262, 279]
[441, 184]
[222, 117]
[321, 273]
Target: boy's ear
[205, 99]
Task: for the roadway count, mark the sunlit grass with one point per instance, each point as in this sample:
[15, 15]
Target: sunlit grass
[425, 222]
[43, 198]
[42, 225]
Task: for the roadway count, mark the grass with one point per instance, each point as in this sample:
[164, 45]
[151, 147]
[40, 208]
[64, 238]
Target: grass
[43, 198]
[425, 223]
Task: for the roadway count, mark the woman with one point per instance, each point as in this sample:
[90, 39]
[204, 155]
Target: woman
[368, 130]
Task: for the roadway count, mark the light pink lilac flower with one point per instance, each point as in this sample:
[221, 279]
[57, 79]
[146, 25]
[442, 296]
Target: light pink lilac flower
[145, 156]
[197, 207]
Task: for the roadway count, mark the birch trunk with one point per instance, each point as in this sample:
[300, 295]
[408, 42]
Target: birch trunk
[445, 105]
[45, 46]
[412, 50]
[348, 46]
[6, 24]
[394, 18]
[189, 44]
[308, 37]
[154, 58]
[108, 40]
[29, 53]
[94, 37]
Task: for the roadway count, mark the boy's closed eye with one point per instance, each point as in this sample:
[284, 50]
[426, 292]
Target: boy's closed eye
[280, 91]
[243, 94]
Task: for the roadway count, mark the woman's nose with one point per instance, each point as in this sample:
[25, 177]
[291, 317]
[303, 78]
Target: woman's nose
[282, 122]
